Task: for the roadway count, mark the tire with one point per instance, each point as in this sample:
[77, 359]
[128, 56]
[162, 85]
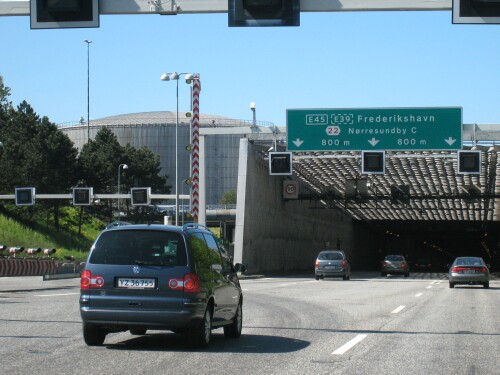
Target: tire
[317, 277]
[233, 331]
[407, 274]
[486, 284]
[202, 334]
[93, 335]
[138, 332]
[452, 285]
[346, 277]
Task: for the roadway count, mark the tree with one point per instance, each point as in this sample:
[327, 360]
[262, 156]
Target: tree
[35, 153]
[229, 197]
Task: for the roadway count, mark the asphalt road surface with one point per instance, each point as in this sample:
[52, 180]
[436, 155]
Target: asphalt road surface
[291, 325]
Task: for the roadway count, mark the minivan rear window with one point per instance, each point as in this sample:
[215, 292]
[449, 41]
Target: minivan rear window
[143, 247]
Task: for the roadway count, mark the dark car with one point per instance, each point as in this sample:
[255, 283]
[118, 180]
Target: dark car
[395, 265]
[157, 277]
[332, 263]
[469, 271]
[423, 265]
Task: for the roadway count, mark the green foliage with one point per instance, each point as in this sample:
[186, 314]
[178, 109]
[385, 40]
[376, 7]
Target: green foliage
[67, 242]
[229, 197]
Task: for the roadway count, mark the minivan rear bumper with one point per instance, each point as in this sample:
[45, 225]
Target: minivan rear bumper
[152, 319]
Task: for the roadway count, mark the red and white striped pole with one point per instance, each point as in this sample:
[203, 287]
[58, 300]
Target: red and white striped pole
[195, 142]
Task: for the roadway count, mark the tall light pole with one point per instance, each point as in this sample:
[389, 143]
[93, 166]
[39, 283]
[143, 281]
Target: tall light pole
[88, 88]
[125, 166]
[175, 77]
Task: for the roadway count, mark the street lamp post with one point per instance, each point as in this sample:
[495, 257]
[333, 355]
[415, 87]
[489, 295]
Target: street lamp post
[125, 166]
[171, 77]
[88, 88]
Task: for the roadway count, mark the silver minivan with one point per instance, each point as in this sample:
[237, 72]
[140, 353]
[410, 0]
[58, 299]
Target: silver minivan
[332, 263]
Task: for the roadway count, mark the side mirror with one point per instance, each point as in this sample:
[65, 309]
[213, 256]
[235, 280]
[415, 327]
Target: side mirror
[238, 267]
[216, 267]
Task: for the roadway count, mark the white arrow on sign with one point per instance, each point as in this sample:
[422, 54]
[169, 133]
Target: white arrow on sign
[298, 142]
[450, 141]
[373, 142]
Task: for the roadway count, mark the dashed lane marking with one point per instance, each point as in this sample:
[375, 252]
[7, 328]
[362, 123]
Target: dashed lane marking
[348, 345]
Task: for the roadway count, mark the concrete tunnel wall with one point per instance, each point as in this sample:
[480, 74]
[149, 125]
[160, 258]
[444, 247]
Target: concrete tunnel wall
[275, 235]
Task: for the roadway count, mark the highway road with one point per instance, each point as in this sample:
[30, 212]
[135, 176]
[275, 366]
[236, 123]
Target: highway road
[292, 325]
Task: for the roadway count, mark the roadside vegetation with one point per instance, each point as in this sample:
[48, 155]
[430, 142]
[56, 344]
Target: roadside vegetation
[35, 153]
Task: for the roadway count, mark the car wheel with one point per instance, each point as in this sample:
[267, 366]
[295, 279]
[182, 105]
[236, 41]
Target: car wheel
[407, 274]
[233, 330]
[486, 285]
[203, 332]
[317, 277]
[345, 277]
[138, 332]
[93, 335]
[452, 285]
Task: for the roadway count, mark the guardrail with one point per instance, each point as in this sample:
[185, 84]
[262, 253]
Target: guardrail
[36, 262]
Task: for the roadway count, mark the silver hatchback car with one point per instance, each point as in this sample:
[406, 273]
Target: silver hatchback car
[395, 264]
[332, 263]
[469, 271]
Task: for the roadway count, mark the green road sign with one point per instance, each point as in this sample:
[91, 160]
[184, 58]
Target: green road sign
[374, 129]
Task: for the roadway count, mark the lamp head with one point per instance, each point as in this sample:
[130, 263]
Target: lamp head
[189, 78]
[174, 76]
[252, 106]
[165, 77]
[125, 166]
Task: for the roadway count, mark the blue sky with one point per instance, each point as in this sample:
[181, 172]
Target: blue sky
[333, 60]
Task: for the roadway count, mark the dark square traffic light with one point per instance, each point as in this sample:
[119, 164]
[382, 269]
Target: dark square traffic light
[25, 196]
[476, 11]
[140, 196]
[82, 196]
[280, 163]
[263, 13]
[372, 162]
[55, 14]
[469, 162]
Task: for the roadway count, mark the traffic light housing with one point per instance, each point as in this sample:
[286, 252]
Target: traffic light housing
[476, 11]
[82, 196]
[372, 162]
[280, 163]
[25, 196]
[263, 13]
[56, 14]
[469, 162]
[140, 196]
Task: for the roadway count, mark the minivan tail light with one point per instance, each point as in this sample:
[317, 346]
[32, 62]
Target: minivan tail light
[89, 281]
[344, 264]
[403, 264]
[316, 265]
[189, 284]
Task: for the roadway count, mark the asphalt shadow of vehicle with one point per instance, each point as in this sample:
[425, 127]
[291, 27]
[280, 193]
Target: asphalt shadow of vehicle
[219, 344]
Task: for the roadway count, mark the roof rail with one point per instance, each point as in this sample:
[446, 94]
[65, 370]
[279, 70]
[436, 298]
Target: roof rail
[116, 224]
[194, 226]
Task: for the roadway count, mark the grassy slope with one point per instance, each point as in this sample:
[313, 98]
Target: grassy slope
[12, 233]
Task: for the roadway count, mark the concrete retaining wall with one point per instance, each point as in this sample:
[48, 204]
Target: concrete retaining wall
[281, 235]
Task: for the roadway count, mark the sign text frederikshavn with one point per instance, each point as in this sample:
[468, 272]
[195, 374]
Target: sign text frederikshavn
[374, 129]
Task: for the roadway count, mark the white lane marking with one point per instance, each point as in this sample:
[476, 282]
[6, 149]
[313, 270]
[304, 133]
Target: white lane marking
[397, 310]
[429, 287]
[348, 345]
[54, 295]
[418, 295]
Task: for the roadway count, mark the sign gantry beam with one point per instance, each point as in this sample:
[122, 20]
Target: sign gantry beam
[22, 7]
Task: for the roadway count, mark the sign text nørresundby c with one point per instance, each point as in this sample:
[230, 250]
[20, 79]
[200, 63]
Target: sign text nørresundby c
[438, 128]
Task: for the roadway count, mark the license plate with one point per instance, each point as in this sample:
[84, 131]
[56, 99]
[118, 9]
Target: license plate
[136, 283]
[469, 271]
[331, 267]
